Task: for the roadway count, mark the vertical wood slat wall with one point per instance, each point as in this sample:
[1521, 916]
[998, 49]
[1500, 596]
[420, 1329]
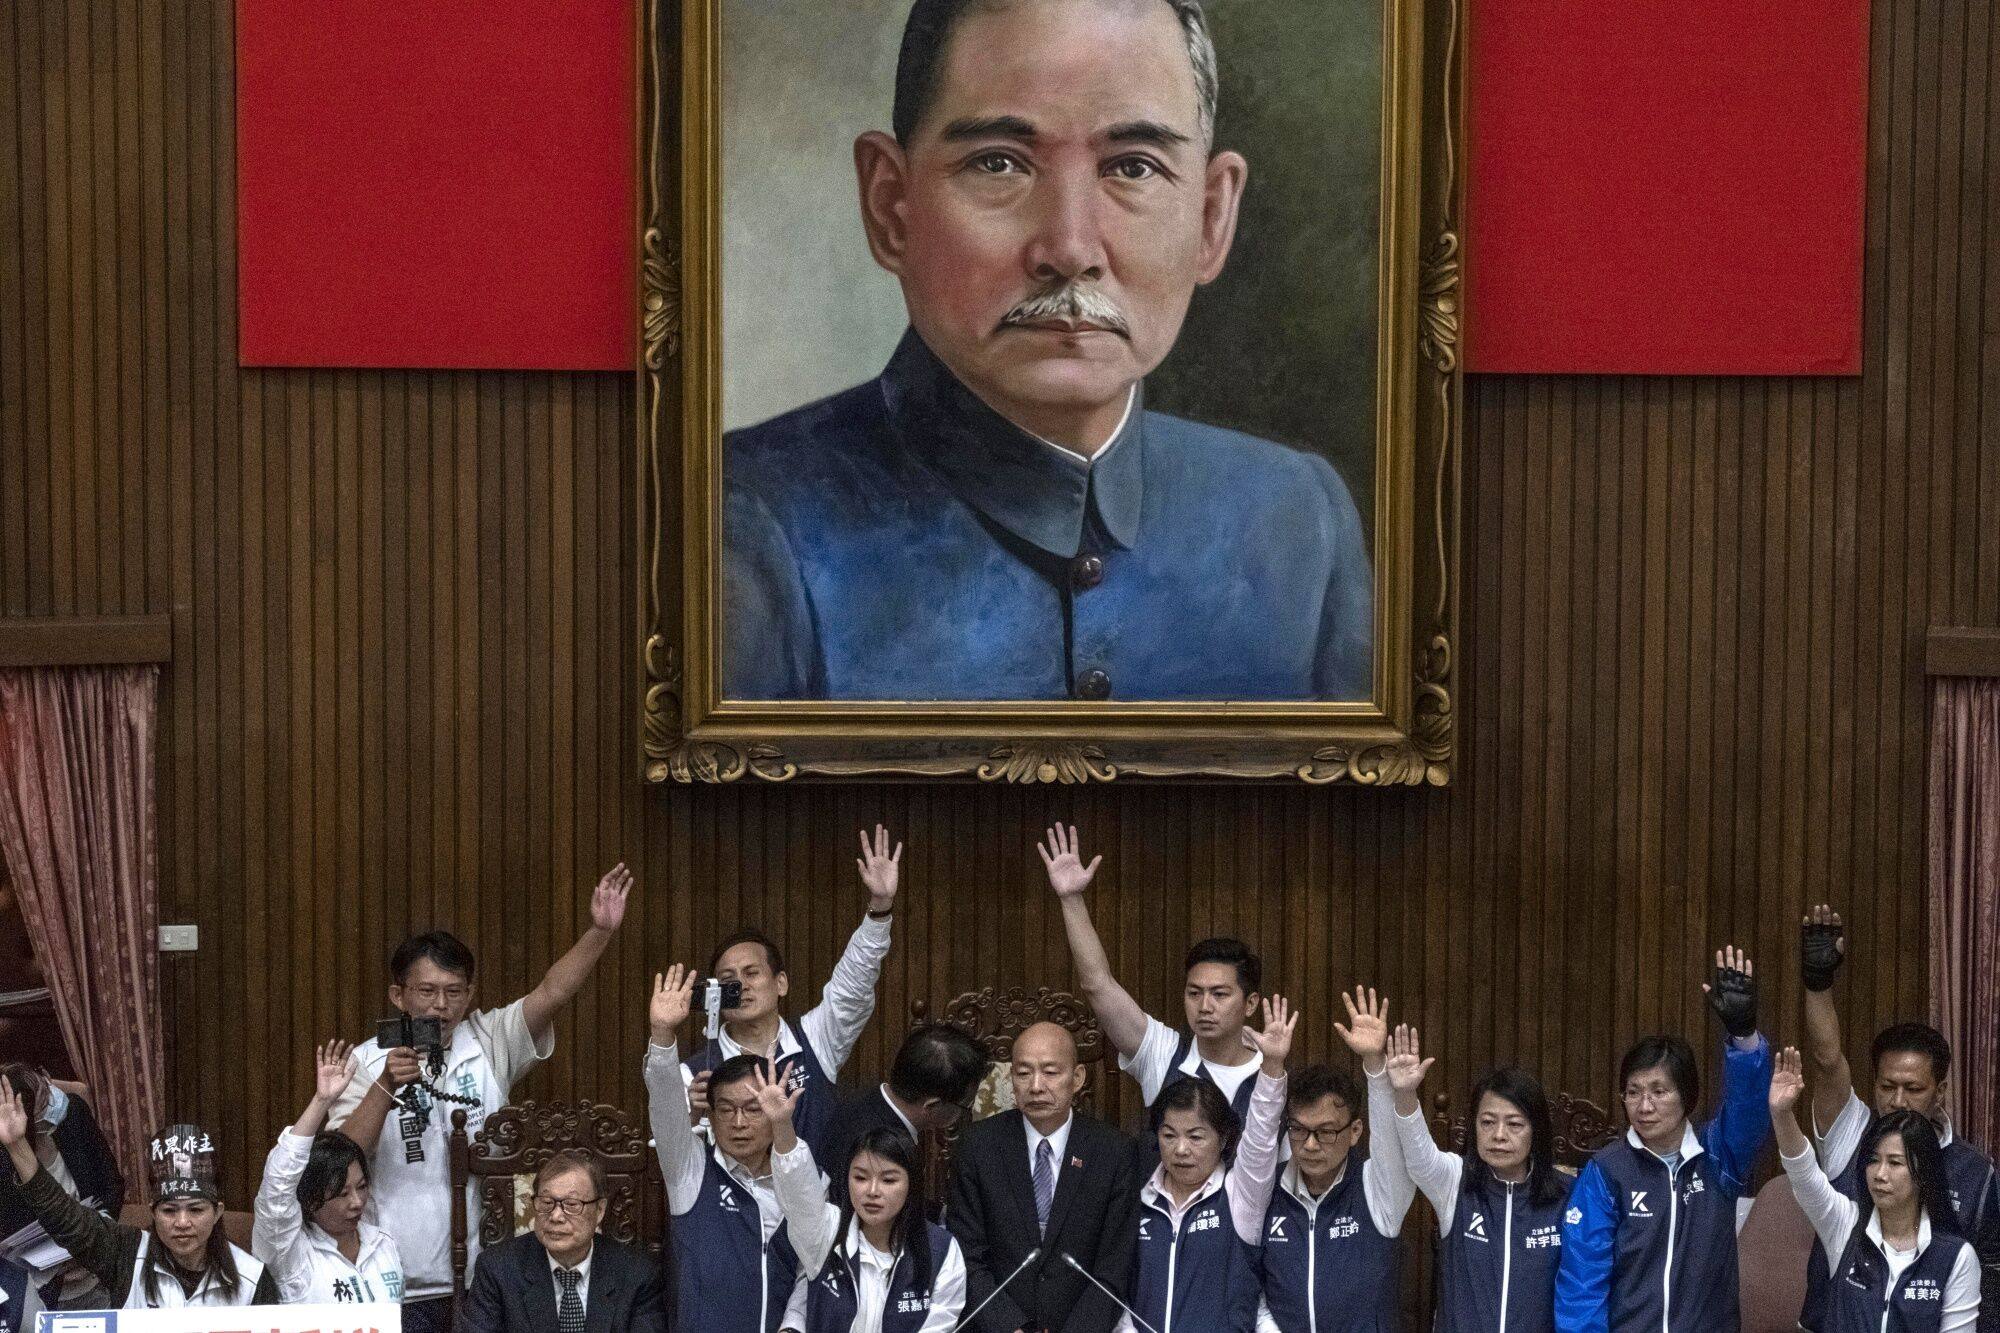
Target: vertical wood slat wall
[402, 690]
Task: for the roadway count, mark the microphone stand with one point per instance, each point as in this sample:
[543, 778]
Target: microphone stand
[1092, 1279]
[973, 1313]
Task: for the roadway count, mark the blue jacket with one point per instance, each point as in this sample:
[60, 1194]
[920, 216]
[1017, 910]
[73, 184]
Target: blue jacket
[1863, 1300]
[1198, 1278]
[1324, 1267]
[727, 1278]
[903, 541]
[1645, 1247]
[832, 1301]
[1497, 1262]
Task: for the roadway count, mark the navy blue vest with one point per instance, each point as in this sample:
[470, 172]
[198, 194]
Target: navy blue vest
[1688, 1217]
[13, 1282]
[725, 1275]
[1327, 1269]
[816, 1103]
[1201, 1279]
[1501, 1249]
[1240, 1103]
[1969, 1177]
[831, 1303]
[1856, 1297]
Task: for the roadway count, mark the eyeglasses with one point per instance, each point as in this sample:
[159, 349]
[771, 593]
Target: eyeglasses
[1320, 1134]
[432, 994]
[739, 1114]
[546, 1206]
[1657, 1096]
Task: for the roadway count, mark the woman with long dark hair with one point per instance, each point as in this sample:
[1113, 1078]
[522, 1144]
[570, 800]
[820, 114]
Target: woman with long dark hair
[309, 1226]
[874, 1263]
[72, 1149]
[183, 1259]
[1499, 1202]
[1896, 1258]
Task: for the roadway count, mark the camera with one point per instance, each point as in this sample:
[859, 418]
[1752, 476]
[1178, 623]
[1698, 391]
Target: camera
[717, 996]
[423, 1035]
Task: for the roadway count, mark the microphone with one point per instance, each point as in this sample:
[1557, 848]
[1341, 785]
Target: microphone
[973, 1313]
[1090, 1277]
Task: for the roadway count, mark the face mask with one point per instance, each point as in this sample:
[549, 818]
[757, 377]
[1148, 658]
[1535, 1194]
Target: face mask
[58, 1107]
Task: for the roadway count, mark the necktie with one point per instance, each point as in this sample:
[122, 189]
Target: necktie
[1045, 1184]
[569, 1315]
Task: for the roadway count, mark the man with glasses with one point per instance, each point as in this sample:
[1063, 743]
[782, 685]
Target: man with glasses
[563, 1276]
[485, 1052]
[1329, 1257]
[734, 1266]
[936, 1074]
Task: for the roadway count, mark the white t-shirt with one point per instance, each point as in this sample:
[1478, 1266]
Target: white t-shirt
[1153, 1063]
[411, 1196]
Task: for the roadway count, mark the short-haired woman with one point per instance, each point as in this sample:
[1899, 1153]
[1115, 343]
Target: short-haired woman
[308, 1226]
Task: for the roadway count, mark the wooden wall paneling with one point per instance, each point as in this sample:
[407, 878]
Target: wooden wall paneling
[1692, 680]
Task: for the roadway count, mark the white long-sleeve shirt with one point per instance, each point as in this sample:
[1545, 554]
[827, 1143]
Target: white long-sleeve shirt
[306, 1262]
[811, 1223]
[683, 1156]
[1833, 1215]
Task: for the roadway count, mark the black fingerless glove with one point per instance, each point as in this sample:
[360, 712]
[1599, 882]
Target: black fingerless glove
[1733, 995]
[1819, 954]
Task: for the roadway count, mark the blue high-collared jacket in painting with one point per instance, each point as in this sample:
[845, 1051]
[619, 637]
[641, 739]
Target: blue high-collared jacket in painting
[903, 541]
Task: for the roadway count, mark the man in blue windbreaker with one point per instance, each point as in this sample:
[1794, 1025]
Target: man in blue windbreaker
[1649, 1241]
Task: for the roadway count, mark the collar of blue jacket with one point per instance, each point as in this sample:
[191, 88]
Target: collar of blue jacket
[1040, 492]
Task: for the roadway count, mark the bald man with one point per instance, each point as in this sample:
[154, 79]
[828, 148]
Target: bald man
[1043, 1176]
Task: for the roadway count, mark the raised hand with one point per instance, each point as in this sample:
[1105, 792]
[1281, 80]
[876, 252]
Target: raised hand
[331, 1071]
[880, 869]
[13, 1116]
[1788, 1081]
[673, 996]
[1406, 1063]
[1821, 947]
[1733, 993]
[607, 904]
[1368, 1036]
[776, 1095]
[1068, 875]
[1275, 1041]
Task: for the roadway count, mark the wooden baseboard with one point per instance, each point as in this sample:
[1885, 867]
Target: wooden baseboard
[1962, 651]
[37, 641]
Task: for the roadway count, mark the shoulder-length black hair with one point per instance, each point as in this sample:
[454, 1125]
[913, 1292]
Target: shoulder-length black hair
[1925, 1155]
[909, 1234]
[221, 1267]
[326, 1169]
[1523, 1090]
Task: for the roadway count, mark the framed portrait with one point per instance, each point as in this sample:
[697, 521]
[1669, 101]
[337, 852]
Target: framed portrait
[1049, 390]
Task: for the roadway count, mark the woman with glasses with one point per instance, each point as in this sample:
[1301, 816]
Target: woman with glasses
[1328, 1262]
[1499, 1203]
[1649, 1240]
[871, 1263]
[308, 1226]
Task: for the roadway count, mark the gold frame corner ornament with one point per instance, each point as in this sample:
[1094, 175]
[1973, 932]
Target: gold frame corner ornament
[1407, 735]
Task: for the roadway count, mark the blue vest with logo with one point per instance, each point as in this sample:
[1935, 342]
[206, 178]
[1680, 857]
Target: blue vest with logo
[1201, 1279]
[1240, 1103]
[817, 1099]
[1860, 1293]
[1968, 1177]
[1325, 1268]
[726, 1276]
[1497, 1263]
[831, 1302]
[1688, 1217]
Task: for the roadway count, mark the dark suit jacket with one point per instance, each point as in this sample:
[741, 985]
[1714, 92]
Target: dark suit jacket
[992, 1212]
[854, 1117]
[512, 1291]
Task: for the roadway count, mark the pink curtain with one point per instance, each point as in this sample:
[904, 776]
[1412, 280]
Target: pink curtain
[77, 829]
[1965, 895]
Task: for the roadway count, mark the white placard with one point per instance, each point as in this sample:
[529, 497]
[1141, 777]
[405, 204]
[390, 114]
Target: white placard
[348, 1318]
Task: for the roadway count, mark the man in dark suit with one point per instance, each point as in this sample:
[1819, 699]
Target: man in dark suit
[936, 1072]
[563, 1277]
[1043, 1176]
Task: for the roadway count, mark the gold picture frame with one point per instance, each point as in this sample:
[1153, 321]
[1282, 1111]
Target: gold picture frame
[1405, 735]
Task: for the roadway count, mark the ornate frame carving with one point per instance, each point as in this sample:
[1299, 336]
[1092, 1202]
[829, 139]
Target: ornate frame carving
[1406, 736]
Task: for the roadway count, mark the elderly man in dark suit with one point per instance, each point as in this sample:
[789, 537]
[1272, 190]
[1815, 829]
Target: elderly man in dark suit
[1043, 1176]
[563, 1277]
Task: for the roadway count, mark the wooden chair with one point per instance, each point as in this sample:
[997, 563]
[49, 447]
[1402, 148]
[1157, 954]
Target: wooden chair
[994, 1018]
[501, 1161]
[1581, 1126]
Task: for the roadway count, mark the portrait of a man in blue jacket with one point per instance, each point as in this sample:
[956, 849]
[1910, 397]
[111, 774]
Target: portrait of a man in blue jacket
[997, 516]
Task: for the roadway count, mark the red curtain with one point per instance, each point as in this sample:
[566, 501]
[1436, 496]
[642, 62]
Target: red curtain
[1965, 895]
[77, 830]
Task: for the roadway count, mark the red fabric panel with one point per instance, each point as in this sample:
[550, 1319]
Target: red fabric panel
[423, 184]
[1666, 188]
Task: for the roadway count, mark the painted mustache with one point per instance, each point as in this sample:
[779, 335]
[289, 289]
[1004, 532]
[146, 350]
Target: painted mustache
[1072, 301]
